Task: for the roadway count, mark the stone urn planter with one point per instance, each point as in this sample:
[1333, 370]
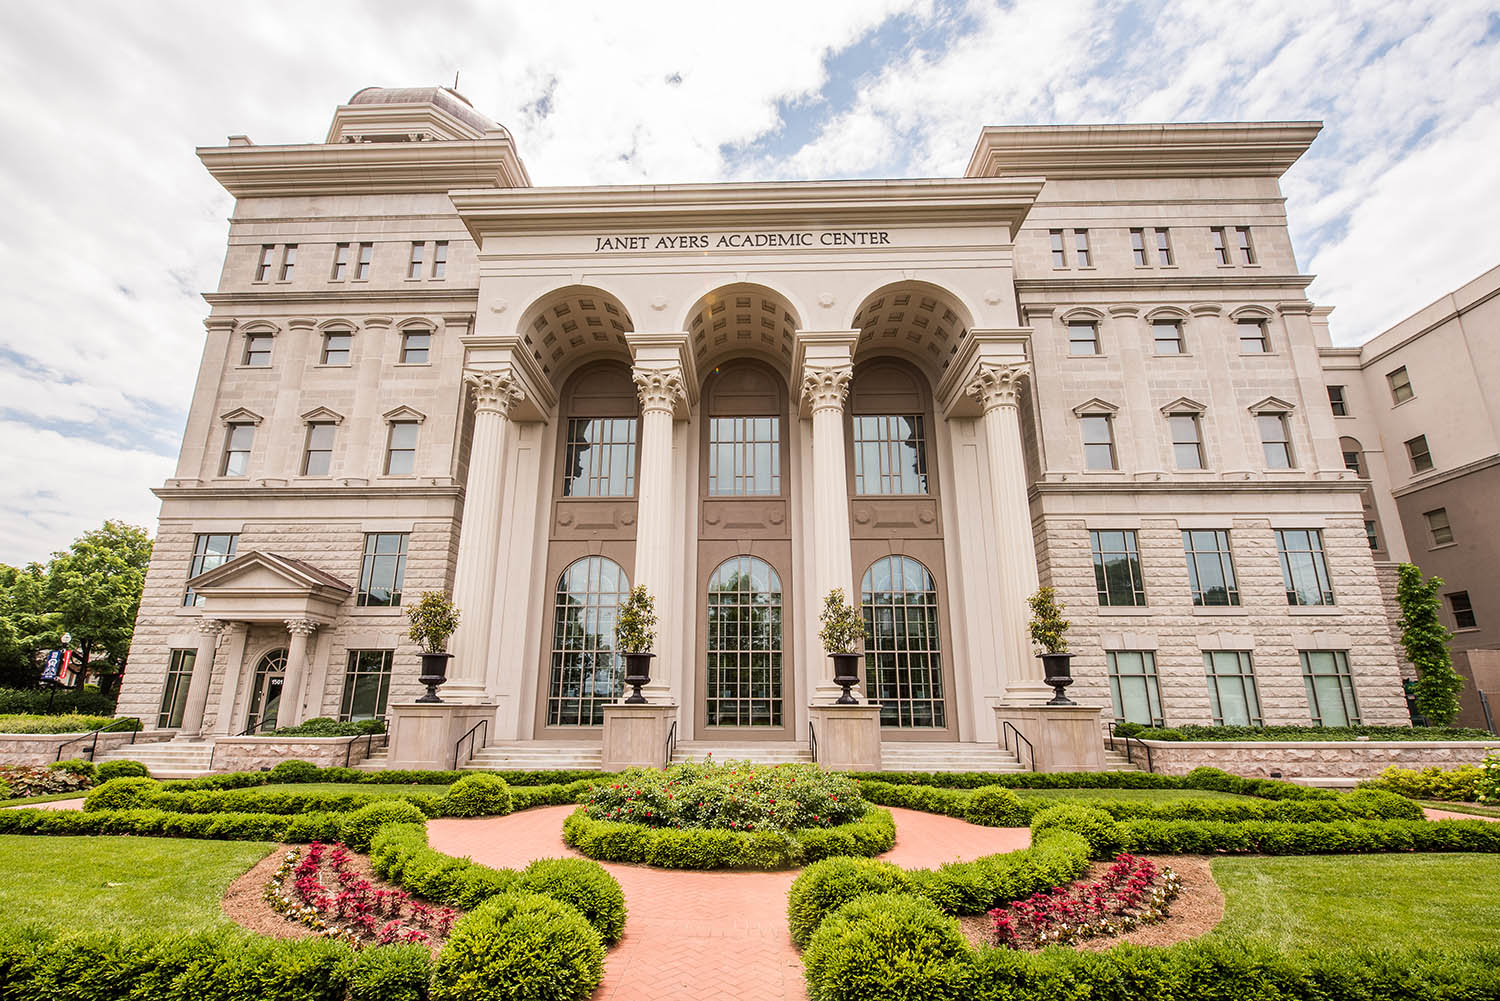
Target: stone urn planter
[434, 673]
[1057, 671]
[846, 676]
[637, 673]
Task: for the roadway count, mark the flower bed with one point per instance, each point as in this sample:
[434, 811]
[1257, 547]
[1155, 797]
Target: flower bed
[17, 781]
[353, 910]
[1132, 892]
[735, 796]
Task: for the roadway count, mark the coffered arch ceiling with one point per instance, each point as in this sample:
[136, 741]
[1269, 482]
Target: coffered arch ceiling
[573, 325]
[742, 319]
[914, 318]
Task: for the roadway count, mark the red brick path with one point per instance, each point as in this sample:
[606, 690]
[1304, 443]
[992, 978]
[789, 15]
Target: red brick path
[699, 935]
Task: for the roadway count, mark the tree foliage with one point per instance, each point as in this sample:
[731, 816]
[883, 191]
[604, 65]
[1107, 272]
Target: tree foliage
[1426, 642]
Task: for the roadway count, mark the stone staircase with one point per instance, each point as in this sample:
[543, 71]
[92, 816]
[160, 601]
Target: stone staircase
[167, 759]
[536, 755]
[942, 756]
[762, 752]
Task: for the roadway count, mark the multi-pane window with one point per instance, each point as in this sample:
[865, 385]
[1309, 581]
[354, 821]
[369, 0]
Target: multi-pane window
[1337, 402]
[1352, 462]
[1083, 337]
[367, 685]
[265, 691]
[414, 267]
[336, 347]
[401, 449]
[1371, 535]
[890, 454]
[1098, 441]
[1059, 252]
[1255, 337]
[1419, 453]
[1167, 336]
[366, 255]
[744, 456]
[1400, 383]
[340, 262]
[1164, 247]
[586, 671]
[600, 457]
[237, 444]
[743, 687]
[1231, 688]
[1138, 247]
[1117, 567]
[1081, 248]
[1242, 240]
[1439, 527]
[317, 458]
[440, 259]
[416, 347]
[1187, 440]
[209, 551]
[1133, 687]
[1463, 610]
[1304, 569]
[257, 350]
[267, 259]
[1275, 440]
[1330, 688]
[1210, 567]
[903, 651]
[1220, 244]
[384, 569]
[288, 262]
[174, 695]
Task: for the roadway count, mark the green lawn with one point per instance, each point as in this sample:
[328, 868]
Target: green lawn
[1145, 795]
[1370, 900]
[368, 788]
[47, 798]
[1477, 809]
[120, 884]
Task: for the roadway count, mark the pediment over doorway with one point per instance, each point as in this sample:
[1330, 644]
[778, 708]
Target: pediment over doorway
[264, 587]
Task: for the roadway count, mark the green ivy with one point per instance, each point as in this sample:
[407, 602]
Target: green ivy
[1426, 642]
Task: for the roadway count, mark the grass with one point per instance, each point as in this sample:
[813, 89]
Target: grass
[120, 884]
[1476, 809]
[1144, 795]
[370, 788]
[1379, 901]
[50, 797]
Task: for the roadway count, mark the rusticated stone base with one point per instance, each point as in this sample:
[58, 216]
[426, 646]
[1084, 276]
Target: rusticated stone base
[253, 754]
[1308, 759]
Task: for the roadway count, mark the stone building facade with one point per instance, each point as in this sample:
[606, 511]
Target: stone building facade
[1089, 362]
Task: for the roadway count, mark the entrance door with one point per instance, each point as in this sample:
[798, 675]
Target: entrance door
[265, 693]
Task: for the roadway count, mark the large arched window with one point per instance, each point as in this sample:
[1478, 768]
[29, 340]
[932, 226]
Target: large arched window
[903, 659]
[744, 644]
[744, 446]
[587, 672]
[265, 691]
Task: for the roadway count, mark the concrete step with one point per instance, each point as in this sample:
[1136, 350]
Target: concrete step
[762, 752]
[165, 760]
[925, 756]
[536, 755]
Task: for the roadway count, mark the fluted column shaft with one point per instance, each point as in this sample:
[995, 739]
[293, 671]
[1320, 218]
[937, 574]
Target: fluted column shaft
[289, 709]
[661, 392]
[203, 669]
[824, 389]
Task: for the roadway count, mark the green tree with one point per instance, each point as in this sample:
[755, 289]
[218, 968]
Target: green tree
[1426, 642]
[94, 587]
[26, 625]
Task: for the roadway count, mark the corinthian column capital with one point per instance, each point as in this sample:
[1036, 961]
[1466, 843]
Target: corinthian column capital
[495, 390]
[210, 627]
[998, 384]
[660, 388]
[301, 627]
[826, 387]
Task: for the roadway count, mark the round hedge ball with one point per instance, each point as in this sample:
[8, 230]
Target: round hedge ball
[122, 794]
[360, 826]
[1095, 826]
[477, 795]
[873, 943]
[995, 806]
[294, 770]
[584, 884]
[121, 770]
[520, 946]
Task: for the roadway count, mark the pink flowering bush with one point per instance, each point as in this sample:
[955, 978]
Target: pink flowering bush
[1134, 891]
[734, 796]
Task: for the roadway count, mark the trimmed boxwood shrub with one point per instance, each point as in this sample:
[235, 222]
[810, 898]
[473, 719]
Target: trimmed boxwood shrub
[889, 945]
[121, 769]
[520, 946]
[995, 806]
[391, 973]
[294, 770]
[1095, 826]
[478, 795]
[81, 767]
[828, 884]
[1300, 733]
[122, 794]
[1460, 784]
[59, 702]
[1265, 837]
[359, 827]
[585, 885]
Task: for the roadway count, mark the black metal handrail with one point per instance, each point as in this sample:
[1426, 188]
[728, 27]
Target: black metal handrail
[485, 724]
[671, 743]
[107, 728]
[1006, 729]
[1489, 717]
[812, 741]
[368, 738]
[1129, 752]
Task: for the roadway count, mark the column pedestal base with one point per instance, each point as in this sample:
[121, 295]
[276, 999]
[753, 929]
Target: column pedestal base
[424, 735]
[848, 736]
[635, 736]
[1031, 691]
[1064, 738]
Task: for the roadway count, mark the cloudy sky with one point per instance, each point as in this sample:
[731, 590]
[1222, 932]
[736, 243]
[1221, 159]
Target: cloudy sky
[111, 229]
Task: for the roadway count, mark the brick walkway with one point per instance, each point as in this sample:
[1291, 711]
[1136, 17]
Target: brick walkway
[697, 935]
[1432, 814]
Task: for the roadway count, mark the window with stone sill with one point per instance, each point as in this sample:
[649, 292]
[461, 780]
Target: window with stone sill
[1117, 567]
[1337, 401]
[383, 571]
[257, 350]
[366, 256]
[1220, 245]
[1463, 610]
[414, 267]
[1439, 529]
[1166, 336]
[267, 260]
[1255, 337]
[1419, 454]
[1164, 248]
[1330, 688]
[1275, 440]
[367, 685]
[1370, 534]
[1133, 687]
[317, 458]
[1138, 247]
[209, 551]
[337, 347]
[174, 693]
[1059, 251]
[1098, 442]
[440, 259]
[1242, 241]
[1304, 570]
[1081, 252]
[1210, 567]
[1400, 383]
[1083, 337]
[401, 449]
[1187, 441]
[416, 347]
[288, 262]
[340, 262]
[1232, 697]
[237, 444]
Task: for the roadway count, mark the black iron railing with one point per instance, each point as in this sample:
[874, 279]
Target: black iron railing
[1489, 717]
[369, 739]
[1008, 728]
[111, 727]
[484, 725]
[671, 743]
[812, 741]
[1134, 747]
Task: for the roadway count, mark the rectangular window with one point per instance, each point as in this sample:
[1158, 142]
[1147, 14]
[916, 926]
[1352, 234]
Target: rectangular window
[237, 450]
[1210, 567]
[1164, 247]
[1138, 247]
[1187, 440]
[1439, 527]
[414, 269]
[744, 456]
[263, 268]
[317, 460]
[340, 262]
[1083, 338]
[1419, 453]
[209, 551]
[1304, 570]
[258, 350]
[174, 695]
[1337, 402]
[1059, 252]
[1081, 248]
[336, 345]
[600, 459]
[1370, 534]
[1117, 568]
[1167, 335]
[1220, 244]
[1400, 383]
[440, 259]
[367, 684]
[366, 255]
[1133, 687]
[890, 454]
[1275, 441]
[1463, 610]
[1330, 688]
[1231, 688]
[1352, 463]
[401, 449]
[288, 261]
[1098, 442]
[1242, 240]
[415, 346]
[1255, 337]
[384, 569]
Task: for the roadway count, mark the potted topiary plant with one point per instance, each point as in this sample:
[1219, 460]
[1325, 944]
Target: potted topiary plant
[635, 631]
[1047, 629]
[433, 620]
[843, 627]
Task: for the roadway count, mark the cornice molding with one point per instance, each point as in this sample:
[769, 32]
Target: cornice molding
[1447, 476]
[364, 168]
[1241, 149]
[1251, 486]
[1162, 283]
[321, 492]
[250, 297]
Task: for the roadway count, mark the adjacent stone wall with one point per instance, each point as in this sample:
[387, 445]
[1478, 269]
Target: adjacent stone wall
[42, 748]
[1312, 759]
[1387, 577]
[253, 754]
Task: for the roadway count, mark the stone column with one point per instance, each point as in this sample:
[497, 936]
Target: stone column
[203, 669]
[824, 389]
[495, 392]
[289, 711]
[661, 392]
[997, 388]
[233, 669]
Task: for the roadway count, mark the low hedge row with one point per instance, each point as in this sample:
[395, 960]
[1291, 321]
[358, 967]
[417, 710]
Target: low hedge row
[62, 701]
[60, 724]
[1296, 733]
[1199, 837]
[1199, 778]
[702, 848]
[1463, 784]
[296, 771]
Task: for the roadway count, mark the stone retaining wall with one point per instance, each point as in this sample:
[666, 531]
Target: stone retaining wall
[1343, 759]
[252, 754]
[42, 748]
